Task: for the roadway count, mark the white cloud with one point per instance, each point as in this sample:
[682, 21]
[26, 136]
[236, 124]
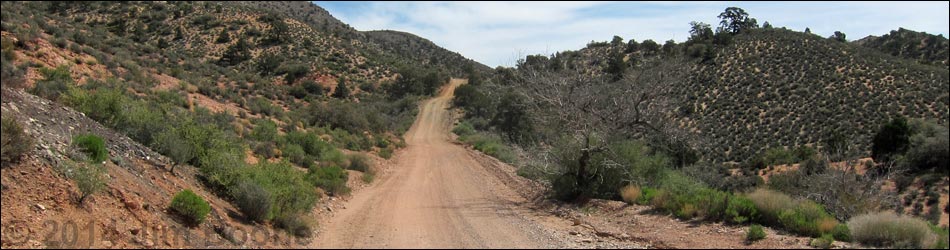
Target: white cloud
[497, 33]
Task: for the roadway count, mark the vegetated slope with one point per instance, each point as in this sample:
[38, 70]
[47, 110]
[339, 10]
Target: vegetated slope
[920, 46]
[386, 47]
[422, 50]
[39, 205]
[306, 12]
[779, 88]
[232, 93]
[774, 87]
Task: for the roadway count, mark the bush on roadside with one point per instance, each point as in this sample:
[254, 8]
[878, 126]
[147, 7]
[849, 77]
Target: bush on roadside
[630, 194]
[841, 233]
[253, 201]
[755, 233]
[887, 229]
[299, 225]
[823, 242]
[289, 190]
[331, 179]
[798, 216]
[359, 162]
[386, 153]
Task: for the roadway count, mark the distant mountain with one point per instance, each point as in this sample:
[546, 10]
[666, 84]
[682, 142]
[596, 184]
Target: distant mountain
[392, 46]
[421, 50]
[920, 46]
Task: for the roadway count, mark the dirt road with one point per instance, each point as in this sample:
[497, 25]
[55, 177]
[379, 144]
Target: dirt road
[437, 196]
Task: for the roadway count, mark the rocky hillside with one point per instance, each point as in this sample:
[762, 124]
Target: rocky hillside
[920, 46]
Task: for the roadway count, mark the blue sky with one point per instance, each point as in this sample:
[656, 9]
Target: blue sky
[498, 33]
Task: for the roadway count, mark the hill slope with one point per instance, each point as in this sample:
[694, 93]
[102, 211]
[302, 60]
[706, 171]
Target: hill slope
[779, 88]
[775, 88]
[234, 94]
[422, 50]
[920, 46]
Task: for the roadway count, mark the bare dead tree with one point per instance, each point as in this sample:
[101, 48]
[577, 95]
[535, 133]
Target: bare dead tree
[592, 111]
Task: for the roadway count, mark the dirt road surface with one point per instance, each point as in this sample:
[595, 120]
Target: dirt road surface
[437, 196]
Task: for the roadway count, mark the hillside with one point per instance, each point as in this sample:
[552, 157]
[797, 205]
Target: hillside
[922, 47]
[239, 100]
[780, 88]
[39, 197]
[422, 50]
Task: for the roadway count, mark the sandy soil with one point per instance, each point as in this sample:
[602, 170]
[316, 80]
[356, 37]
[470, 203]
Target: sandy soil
[437, 196]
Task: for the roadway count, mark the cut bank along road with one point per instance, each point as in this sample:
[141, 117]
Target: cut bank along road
[436, 196]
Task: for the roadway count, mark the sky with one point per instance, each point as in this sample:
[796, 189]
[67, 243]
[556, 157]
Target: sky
[499, 33]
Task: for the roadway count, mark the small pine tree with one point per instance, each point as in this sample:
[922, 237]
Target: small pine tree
[162, 44]
[179, 34]
[224, 37]
[341, 91]
[236, 53]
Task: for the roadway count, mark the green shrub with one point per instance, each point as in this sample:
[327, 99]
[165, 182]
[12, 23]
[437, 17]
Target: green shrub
[14, 143]
[264, 130]
[253, 201]
[299, 225]
[755, 233]
[89, 179]
[929, 148]
[104, 105]
[265, 150]
[464, 129]
[711, 204]
[386, 153]
[740, 210]
[490, 145]
[331, 179]
[313, 145]
[842, 233]
[801, 217]
[823, 242]
[54, 83]
[359, 162]
[172, 144]
[892, 138]
[943, 237]
[92, 146]
[779, 156]
[296, 155]
[887, 229]
[648, 194]
[290, 191]
[662, 200]
[368, 177]
[188, 204]
[771, 204]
